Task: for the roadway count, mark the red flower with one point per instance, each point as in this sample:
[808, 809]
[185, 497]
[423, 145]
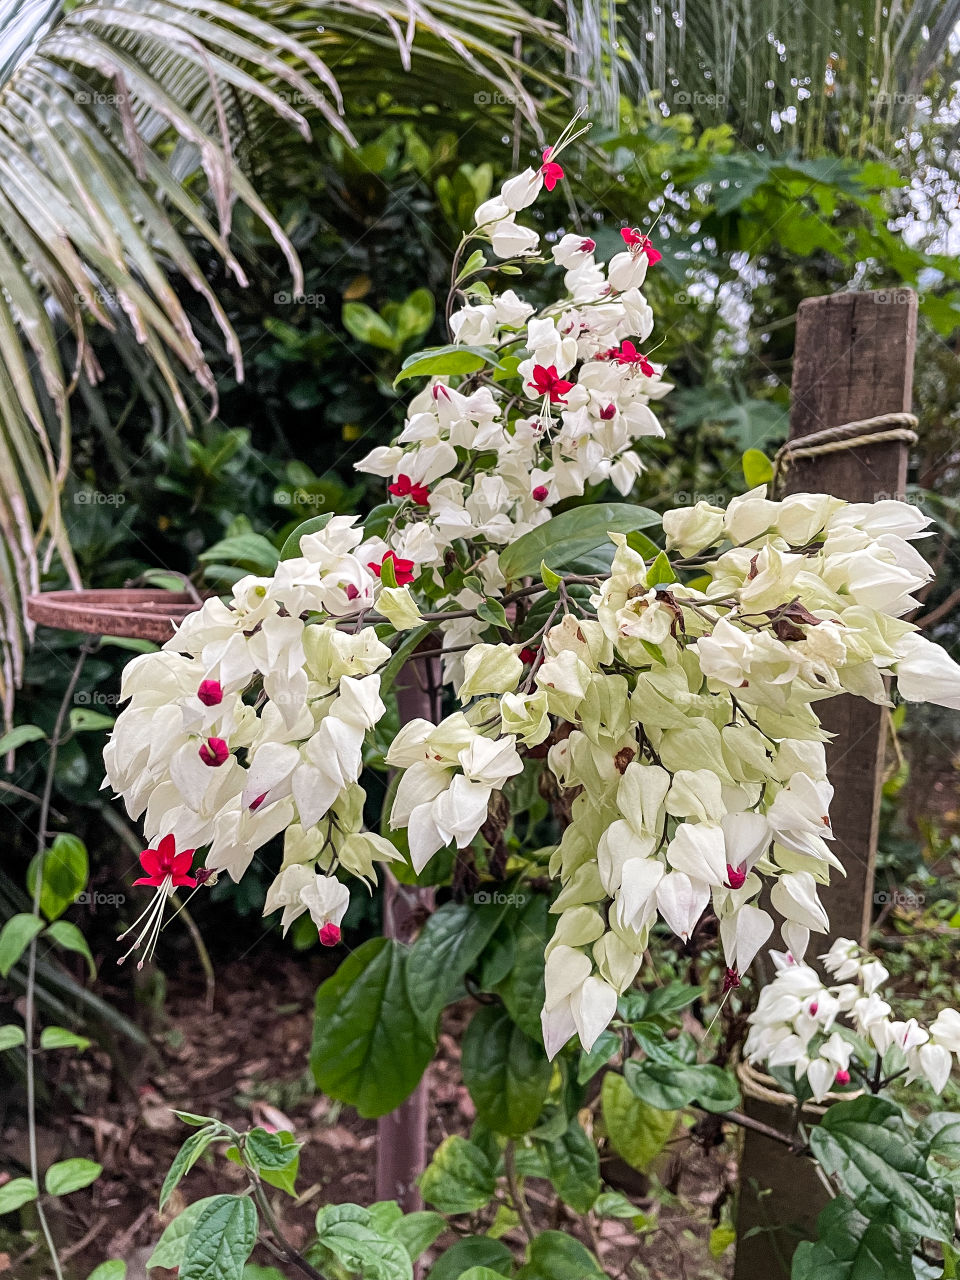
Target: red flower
[540, 493]
[549, 383]
[736, 876]
[609, 412]
[628, 354]
[587, 245]
[164, 862]
[637, 240]
[440, 390]
[213, 752]
[350, 591]
[255, 804]
[528, 655]
[403, 487]
[552, 173]
[330, 935]
[402, 569]
[842, 1077]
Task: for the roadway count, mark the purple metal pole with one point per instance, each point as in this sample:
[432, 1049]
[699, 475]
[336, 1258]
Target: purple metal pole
[402, 1134]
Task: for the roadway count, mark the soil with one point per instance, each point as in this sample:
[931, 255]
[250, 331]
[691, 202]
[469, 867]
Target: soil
[246, 1062]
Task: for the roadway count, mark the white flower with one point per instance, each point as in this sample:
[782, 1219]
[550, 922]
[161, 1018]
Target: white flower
[926, 673]
[512, 241]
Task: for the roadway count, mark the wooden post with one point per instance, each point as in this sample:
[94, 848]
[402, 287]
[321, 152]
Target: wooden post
[402, 1134]
[853, 359]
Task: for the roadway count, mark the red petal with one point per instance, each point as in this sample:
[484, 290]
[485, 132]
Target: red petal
[182, 862]
[167, 847]
[150, 861]
[156, 881]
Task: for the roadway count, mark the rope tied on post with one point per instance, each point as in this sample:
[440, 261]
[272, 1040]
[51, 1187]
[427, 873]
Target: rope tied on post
[884, 428]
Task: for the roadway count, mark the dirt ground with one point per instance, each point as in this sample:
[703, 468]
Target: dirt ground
[246, 1062]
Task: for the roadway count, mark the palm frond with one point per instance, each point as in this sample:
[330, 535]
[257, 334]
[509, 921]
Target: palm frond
[123, 126]
[847, 74]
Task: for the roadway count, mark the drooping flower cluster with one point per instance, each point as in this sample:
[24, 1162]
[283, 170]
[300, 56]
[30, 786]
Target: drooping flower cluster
[670, 700]
[797, 1020]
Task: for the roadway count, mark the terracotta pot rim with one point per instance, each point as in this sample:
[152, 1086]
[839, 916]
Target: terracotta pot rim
[138, 613]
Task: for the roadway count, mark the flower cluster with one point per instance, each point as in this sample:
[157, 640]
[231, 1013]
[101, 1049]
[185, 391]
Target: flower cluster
[669, 703]
[823, 1031]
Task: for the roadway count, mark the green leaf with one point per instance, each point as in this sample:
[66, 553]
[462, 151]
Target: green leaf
[605, 1046]
[367, 326]
[65, 870]
[850, 1246]
[70, 1175]
[475, 262]
[414, 316]
[15, 937]
[572, 533]
[115, 1269]
[171, 1245]
[459, 1178]
[185, 1159]
[15, 1193]
[446, 949]
[637, 1131]
[757, 468]
[549, 579]
[573, 1167]
[221, 1240]
[471, 1252]
[10, 1036]
[19, 736]
[721, 1238]
[438, 362]
[867, 1145]
[506, 1072]
[84, 719]
[349, 1233]
[614, 1204]
[660, 571]
[388, 572]
[250, 551]
[417, 1231]
[492, 611]
[670, 1084]
[522, 991]
[370, 1043]
[291, 547]
[68, 936]
[61, 1038]
[275, 1156]
[553, 1255]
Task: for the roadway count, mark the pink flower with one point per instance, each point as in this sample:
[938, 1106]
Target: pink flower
[163, 862]
[210, 693]
[330, 934]
[539, 494]
[214, 752]
[842, 1077]
[587, 245]
[609, 412]
[552, 172]
[547, 382]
